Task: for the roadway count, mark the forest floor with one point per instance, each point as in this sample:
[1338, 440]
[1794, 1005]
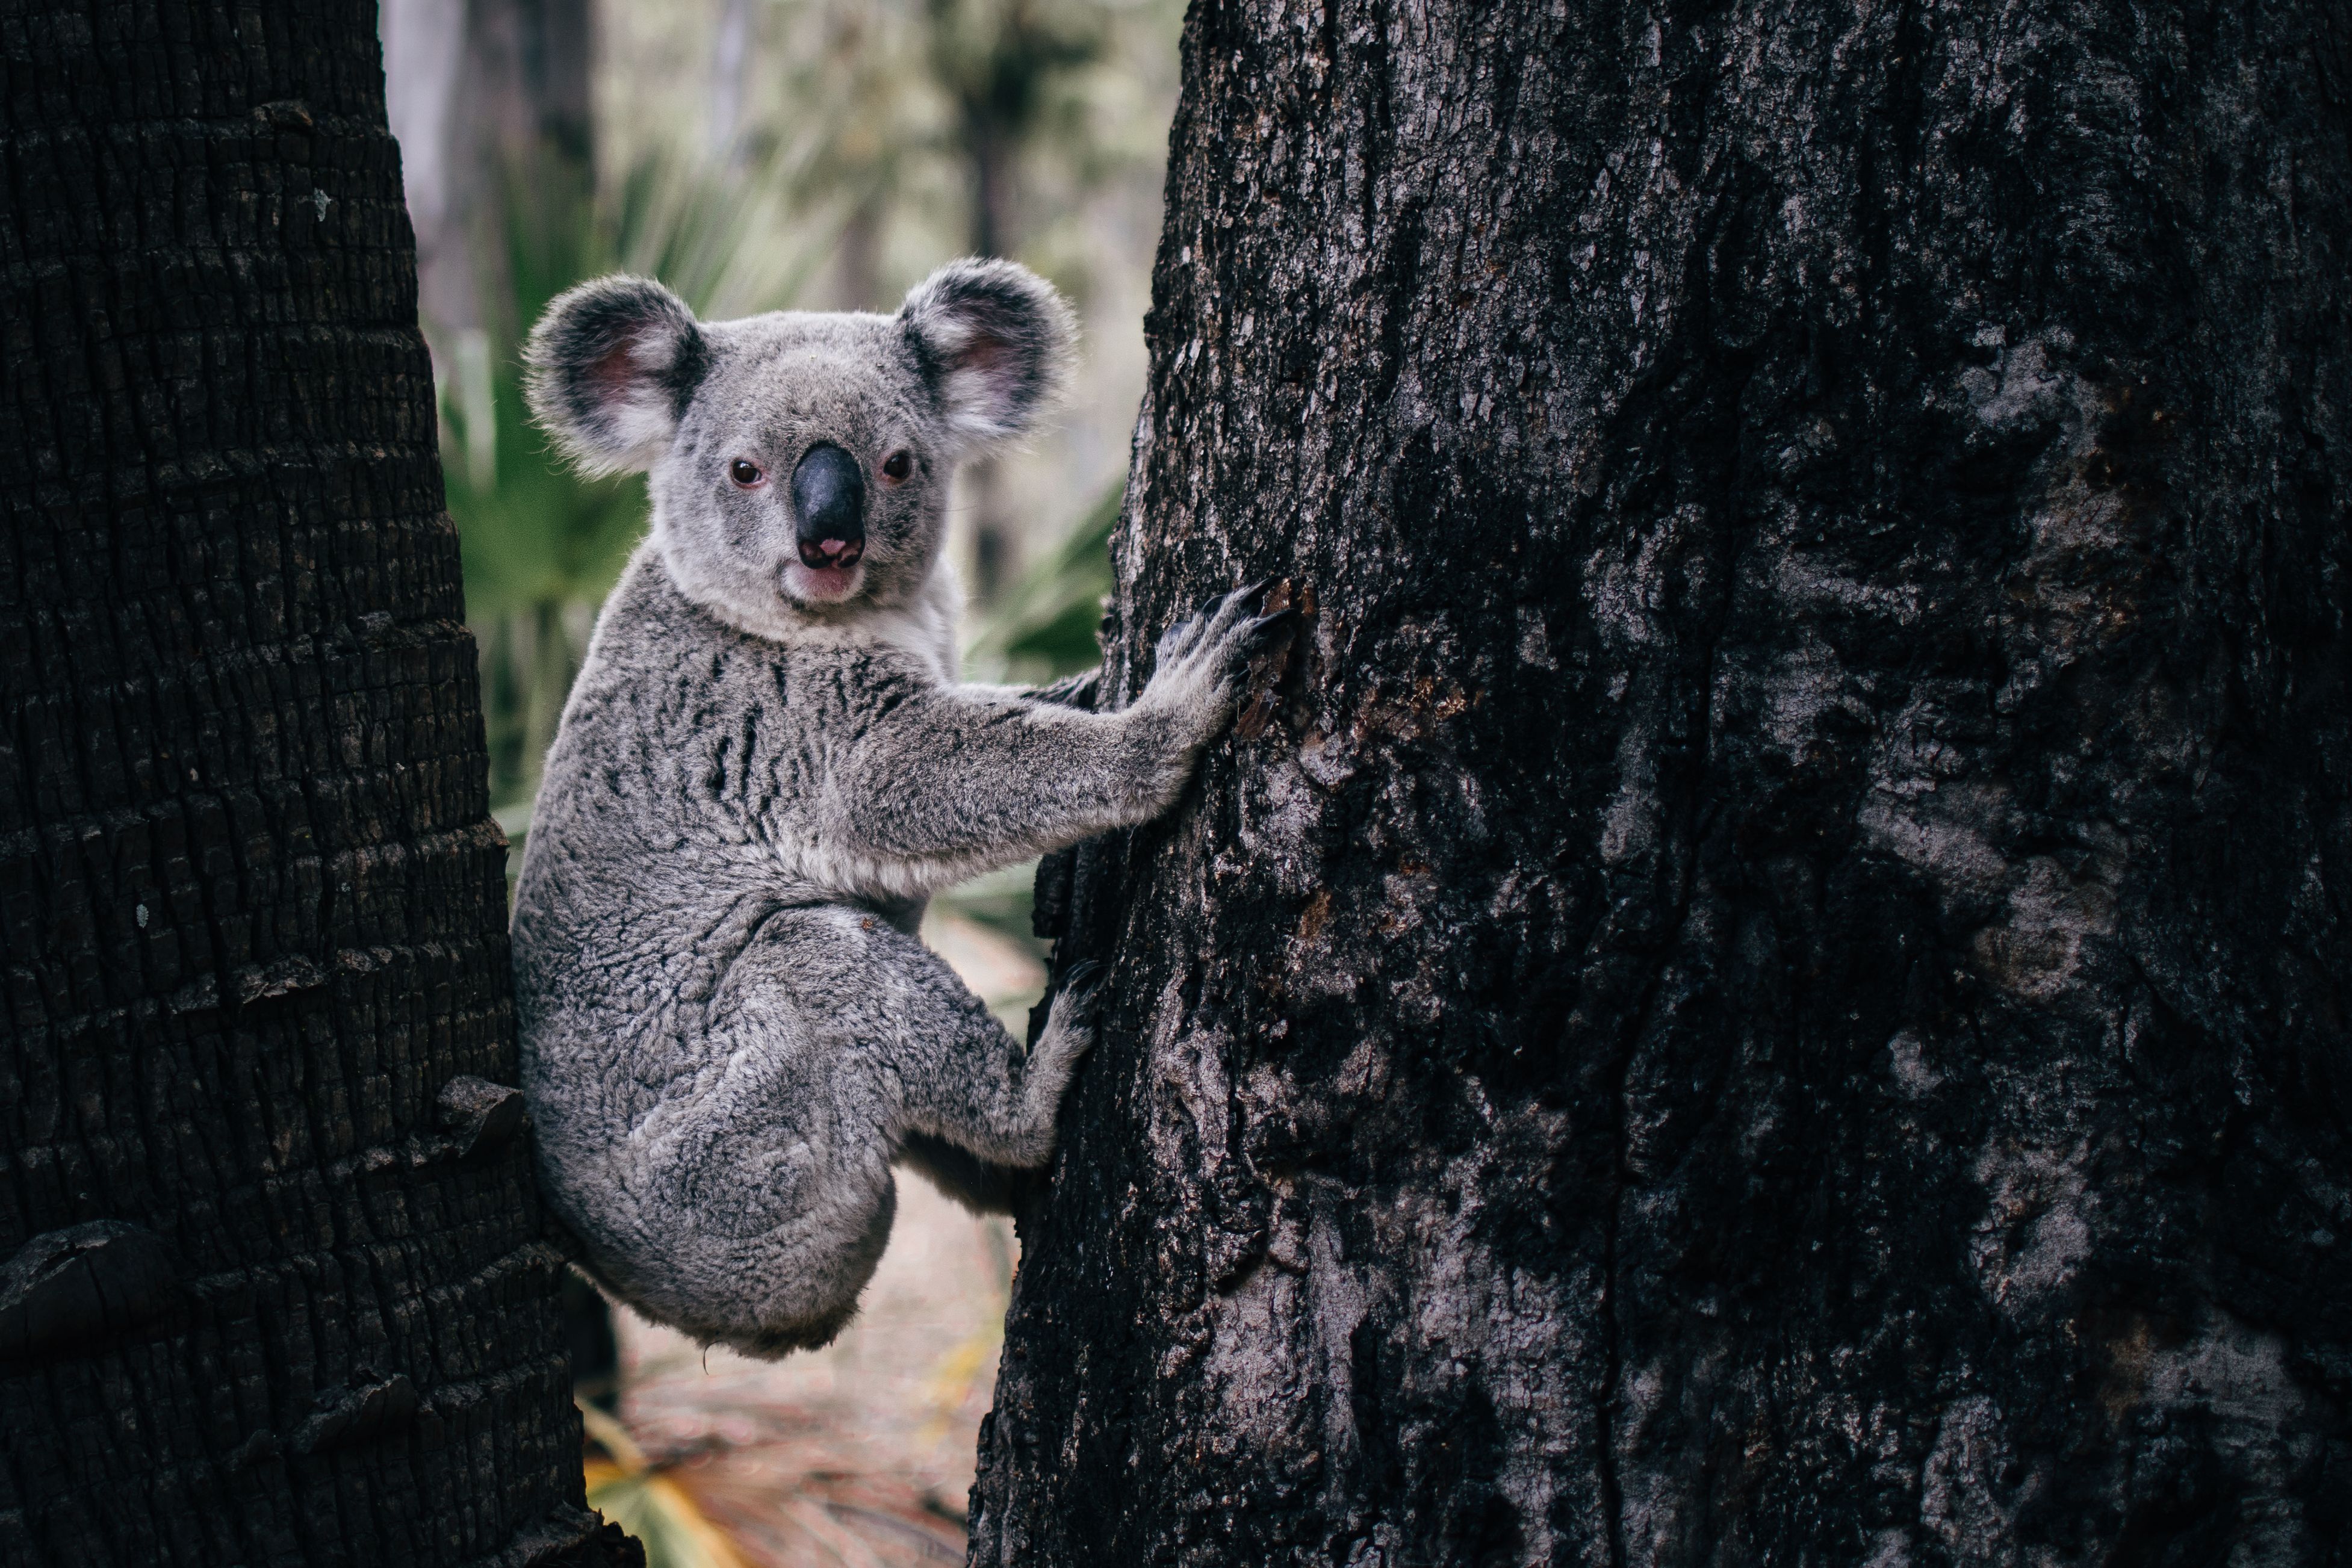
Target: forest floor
[857, 1454]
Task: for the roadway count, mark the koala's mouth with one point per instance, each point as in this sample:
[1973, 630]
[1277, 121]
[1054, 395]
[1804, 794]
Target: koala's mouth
[828, 584]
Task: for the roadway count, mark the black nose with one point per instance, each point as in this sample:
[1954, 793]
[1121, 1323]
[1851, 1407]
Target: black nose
[829, 505]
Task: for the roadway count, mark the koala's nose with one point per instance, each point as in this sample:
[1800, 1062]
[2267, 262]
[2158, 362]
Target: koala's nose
[829, 507]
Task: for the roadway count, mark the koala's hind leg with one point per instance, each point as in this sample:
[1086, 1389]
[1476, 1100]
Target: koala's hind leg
[988, 1184]
[965, 1087]
[759, 1191]
[856, 1046]
[836, 1044]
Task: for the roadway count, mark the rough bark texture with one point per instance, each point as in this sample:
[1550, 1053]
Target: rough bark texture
[273, 1286]
[1772, 989]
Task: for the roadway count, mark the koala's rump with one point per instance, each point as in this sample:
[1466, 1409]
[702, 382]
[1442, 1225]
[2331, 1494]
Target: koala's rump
[746, 1193]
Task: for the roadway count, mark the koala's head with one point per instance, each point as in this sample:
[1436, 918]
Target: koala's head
[798, 463]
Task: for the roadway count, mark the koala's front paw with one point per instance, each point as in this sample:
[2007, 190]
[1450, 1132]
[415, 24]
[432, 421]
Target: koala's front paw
[1203, 659]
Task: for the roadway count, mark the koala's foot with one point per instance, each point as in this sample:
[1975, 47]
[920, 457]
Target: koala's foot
[1203, 659]
[1068, 1035]
[1069, 1031]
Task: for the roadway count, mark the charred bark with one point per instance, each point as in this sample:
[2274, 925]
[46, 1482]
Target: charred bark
[1769, 986]
[273, 1283]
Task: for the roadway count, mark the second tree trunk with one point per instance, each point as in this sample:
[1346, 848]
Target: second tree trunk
[1769, 987]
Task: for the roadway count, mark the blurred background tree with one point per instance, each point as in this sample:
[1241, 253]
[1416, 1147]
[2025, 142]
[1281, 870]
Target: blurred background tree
[758, 155]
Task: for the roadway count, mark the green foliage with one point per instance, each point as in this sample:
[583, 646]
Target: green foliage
[899, 103]
[1047, 623]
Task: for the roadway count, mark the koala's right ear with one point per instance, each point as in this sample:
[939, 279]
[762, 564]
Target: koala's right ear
[609, 369]
[994, 342]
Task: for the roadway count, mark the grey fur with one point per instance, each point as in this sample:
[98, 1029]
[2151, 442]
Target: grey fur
[729, 1030]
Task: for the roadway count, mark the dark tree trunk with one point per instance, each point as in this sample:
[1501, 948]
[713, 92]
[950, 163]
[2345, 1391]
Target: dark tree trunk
[273, 1283]
[1773, 990]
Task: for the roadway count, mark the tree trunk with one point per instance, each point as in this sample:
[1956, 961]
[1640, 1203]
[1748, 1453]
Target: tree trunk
[532, 65]
[273, 1283]
[998, 63]
[1770, 987]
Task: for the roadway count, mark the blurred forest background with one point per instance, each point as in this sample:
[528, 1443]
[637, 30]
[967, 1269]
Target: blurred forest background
[786, 154]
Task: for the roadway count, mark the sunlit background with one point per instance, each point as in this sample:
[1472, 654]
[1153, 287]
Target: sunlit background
[760, 155]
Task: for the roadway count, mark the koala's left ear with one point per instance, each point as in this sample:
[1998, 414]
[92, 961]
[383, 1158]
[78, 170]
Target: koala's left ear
[610, 369]
[994, 342]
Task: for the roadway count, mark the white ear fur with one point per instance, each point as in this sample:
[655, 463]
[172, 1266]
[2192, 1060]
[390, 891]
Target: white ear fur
[609, 369]
[994, 342]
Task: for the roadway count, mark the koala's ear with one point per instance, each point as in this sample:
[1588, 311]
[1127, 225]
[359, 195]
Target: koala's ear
[994, 342]
[609, 369]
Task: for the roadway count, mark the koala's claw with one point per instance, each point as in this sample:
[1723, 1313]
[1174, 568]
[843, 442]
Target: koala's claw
[1261, 632]
[1085, 979]
[1231, 611]
[1242, 600]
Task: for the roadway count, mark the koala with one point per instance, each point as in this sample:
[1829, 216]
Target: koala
[768, 764]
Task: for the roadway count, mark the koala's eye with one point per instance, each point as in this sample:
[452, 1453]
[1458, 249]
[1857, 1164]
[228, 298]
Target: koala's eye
[745, 474]
[897, 465]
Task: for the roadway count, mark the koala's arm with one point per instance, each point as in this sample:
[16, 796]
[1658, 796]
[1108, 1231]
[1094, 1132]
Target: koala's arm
[961, 780]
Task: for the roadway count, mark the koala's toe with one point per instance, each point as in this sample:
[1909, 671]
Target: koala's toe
[1078, 1004]
[1209, 626]
[1178, 639]
[1070, 1026]
[1231, 609]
